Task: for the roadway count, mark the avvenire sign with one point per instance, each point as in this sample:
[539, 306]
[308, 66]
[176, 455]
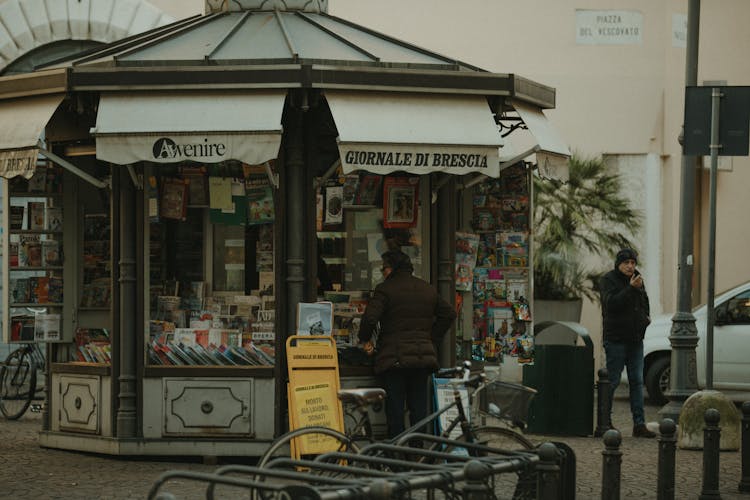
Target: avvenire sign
[171, 150]
[385, 159]
[253, 149]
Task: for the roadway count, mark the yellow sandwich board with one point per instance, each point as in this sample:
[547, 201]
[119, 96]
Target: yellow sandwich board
[313, 391]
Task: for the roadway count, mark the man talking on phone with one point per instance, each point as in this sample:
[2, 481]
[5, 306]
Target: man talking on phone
[625, 314]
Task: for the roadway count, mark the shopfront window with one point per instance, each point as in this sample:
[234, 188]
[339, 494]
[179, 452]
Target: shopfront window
[211, 266]
[359, 217]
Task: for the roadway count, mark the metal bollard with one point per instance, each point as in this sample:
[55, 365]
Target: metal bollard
[744, 485]
[603, 403]
[611, 465]
[475, 487]
[711, 437]
[666, 468]
[548, 473]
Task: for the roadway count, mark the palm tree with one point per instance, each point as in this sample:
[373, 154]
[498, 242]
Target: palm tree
[585, 215]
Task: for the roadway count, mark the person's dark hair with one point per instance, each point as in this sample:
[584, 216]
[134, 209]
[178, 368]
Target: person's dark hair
[397, 260]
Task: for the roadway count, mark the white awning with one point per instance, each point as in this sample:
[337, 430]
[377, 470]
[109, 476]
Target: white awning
[206, 127]
[22, 122]
[551, 151]
[384, 132]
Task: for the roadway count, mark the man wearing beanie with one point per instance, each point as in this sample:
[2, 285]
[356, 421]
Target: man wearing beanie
[625, 313]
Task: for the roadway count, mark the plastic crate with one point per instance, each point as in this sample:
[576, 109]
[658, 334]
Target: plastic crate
[507, 400]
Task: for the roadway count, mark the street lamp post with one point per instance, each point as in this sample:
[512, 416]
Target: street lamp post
[683, 380]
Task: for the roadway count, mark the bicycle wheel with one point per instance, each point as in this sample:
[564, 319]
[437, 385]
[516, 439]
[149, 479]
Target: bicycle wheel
[523, 482]
[282, 446]
[502, 438]
[17, 384]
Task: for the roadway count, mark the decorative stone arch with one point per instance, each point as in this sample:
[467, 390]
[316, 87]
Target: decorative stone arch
[28, 25]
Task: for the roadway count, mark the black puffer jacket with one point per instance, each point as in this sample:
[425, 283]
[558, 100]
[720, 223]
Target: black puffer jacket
[413, 319]
[625, 309]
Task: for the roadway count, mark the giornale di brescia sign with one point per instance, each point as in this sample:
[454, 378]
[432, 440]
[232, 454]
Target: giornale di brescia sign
[386, 158]
[609, 27]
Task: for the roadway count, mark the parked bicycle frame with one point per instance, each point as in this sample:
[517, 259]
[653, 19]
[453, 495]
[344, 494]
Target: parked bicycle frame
[22, 381]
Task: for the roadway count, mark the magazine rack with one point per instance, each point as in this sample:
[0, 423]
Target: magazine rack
[313, 391]
[32, 245]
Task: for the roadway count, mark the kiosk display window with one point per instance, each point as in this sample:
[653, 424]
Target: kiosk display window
[211, 266]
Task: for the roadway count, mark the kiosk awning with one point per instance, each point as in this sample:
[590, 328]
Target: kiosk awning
[383, 132]
[207, 127]
[22, 122]
[552, 152]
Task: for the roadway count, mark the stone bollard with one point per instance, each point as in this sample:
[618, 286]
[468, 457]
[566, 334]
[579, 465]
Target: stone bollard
[666, 468]
[711, 437]
[603, 403]
[611, 465]
[744, 485]
[548, 472]
[476, 487]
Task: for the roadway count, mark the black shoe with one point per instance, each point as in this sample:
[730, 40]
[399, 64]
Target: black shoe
[641, 431]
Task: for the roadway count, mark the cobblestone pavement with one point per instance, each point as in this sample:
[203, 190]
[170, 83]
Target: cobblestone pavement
[29, 471]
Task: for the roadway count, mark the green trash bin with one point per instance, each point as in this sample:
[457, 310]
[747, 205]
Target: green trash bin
[563, 375]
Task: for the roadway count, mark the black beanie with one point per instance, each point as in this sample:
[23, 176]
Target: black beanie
[625, 254]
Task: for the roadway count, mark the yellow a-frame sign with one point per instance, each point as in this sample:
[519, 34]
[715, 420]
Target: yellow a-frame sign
[313, 392]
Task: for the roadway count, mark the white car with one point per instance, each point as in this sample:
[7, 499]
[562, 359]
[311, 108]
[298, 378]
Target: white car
[731, 374]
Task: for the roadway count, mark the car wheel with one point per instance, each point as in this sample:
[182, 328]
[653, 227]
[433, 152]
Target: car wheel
[657, 380]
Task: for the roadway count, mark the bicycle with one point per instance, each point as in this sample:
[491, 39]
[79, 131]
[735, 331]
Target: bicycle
[18, 382]
[506, 436]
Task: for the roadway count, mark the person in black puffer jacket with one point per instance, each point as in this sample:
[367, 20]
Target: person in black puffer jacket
[413, 319]
[625, 313]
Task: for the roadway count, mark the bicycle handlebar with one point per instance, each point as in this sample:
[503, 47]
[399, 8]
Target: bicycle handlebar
[455, 372]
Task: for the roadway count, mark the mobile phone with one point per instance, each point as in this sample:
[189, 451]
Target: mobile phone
[636, 273]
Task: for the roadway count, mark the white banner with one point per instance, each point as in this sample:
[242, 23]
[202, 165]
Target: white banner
[253, 149]
[18, 162]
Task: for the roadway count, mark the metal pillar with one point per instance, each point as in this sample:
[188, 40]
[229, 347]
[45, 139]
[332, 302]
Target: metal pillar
[666, 468]
[126, 412]
[603, 403]
[711, 441]
[295, 217]
[611, 465]
[446, 247]
[714, 147]
[744, 485]
[684, 335]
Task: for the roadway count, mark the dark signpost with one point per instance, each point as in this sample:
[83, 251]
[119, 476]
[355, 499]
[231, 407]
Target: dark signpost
[716, 124]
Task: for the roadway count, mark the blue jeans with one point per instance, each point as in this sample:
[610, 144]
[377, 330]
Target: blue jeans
[627, 355]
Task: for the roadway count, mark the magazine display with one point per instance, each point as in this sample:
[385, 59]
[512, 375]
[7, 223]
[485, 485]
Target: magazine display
[499, 286]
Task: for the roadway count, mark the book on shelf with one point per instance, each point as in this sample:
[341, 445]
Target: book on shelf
[54, 219]
[38, 182]
[19, 290]
[47, 327]
[36, 215]
[52, 253]
[13, 254]
[53, 180]
[30, 251]
[16, 217]
[55, 290]
[39, 289]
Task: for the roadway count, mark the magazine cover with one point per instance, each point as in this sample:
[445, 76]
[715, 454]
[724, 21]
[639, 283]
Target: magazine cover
[400, 202]
[351, 186]
[54, 219]
[260, 200]
[173, 199]
[369, 188]
[315, 318]
[36, 215]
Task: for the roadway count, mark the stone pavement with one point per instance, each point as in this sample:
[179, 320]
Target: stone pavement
[28, 471]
